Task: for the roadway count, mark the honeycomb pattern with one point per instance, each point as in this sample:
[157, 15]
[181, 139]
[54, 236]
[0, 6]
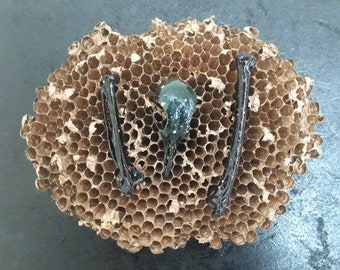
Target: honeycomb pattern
[68, 148]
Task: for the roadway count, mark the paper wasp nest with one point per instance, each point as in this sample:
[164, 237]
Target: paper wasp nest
[68, 147]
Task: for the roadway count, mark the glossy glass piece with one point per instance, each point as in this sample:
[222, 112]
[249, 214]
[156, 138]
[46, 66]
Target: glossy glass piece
[218, 198]
[178, 101]
[128, 177]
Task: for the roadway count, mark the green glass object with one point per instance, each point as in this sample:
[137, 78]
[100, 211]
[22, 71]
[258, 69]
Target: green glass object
[178, 101]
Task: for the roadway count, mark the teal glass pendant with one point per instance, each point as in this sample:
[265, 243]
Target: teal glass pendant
[178, 101]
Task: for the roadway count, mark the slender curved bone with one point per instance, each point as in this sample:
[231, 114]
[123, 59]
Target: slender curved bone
[128, 177]
[218, 198]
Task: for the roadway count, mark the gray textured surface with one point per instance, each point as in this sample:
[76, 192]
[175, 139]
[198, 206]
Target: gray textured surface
[33, 42]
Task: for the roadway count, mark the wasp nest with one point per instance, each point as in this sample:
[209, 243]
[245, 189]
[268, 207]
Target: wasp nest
[68, 147]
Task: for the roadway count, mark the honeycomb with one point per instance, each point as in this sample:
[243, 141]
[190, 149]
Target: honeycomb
[68, 147]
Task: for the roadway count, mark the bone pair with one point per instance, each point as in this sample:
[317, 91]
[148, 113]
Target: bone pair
[178, 101]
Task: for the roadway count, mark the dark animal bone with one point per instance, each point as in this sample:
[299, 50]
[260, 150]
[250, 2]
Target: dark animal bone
[128, 177]
[218, 198]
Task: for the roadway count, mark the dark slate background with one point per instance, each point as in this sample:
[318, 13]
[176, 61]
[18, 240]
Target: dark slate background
[33, 41]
